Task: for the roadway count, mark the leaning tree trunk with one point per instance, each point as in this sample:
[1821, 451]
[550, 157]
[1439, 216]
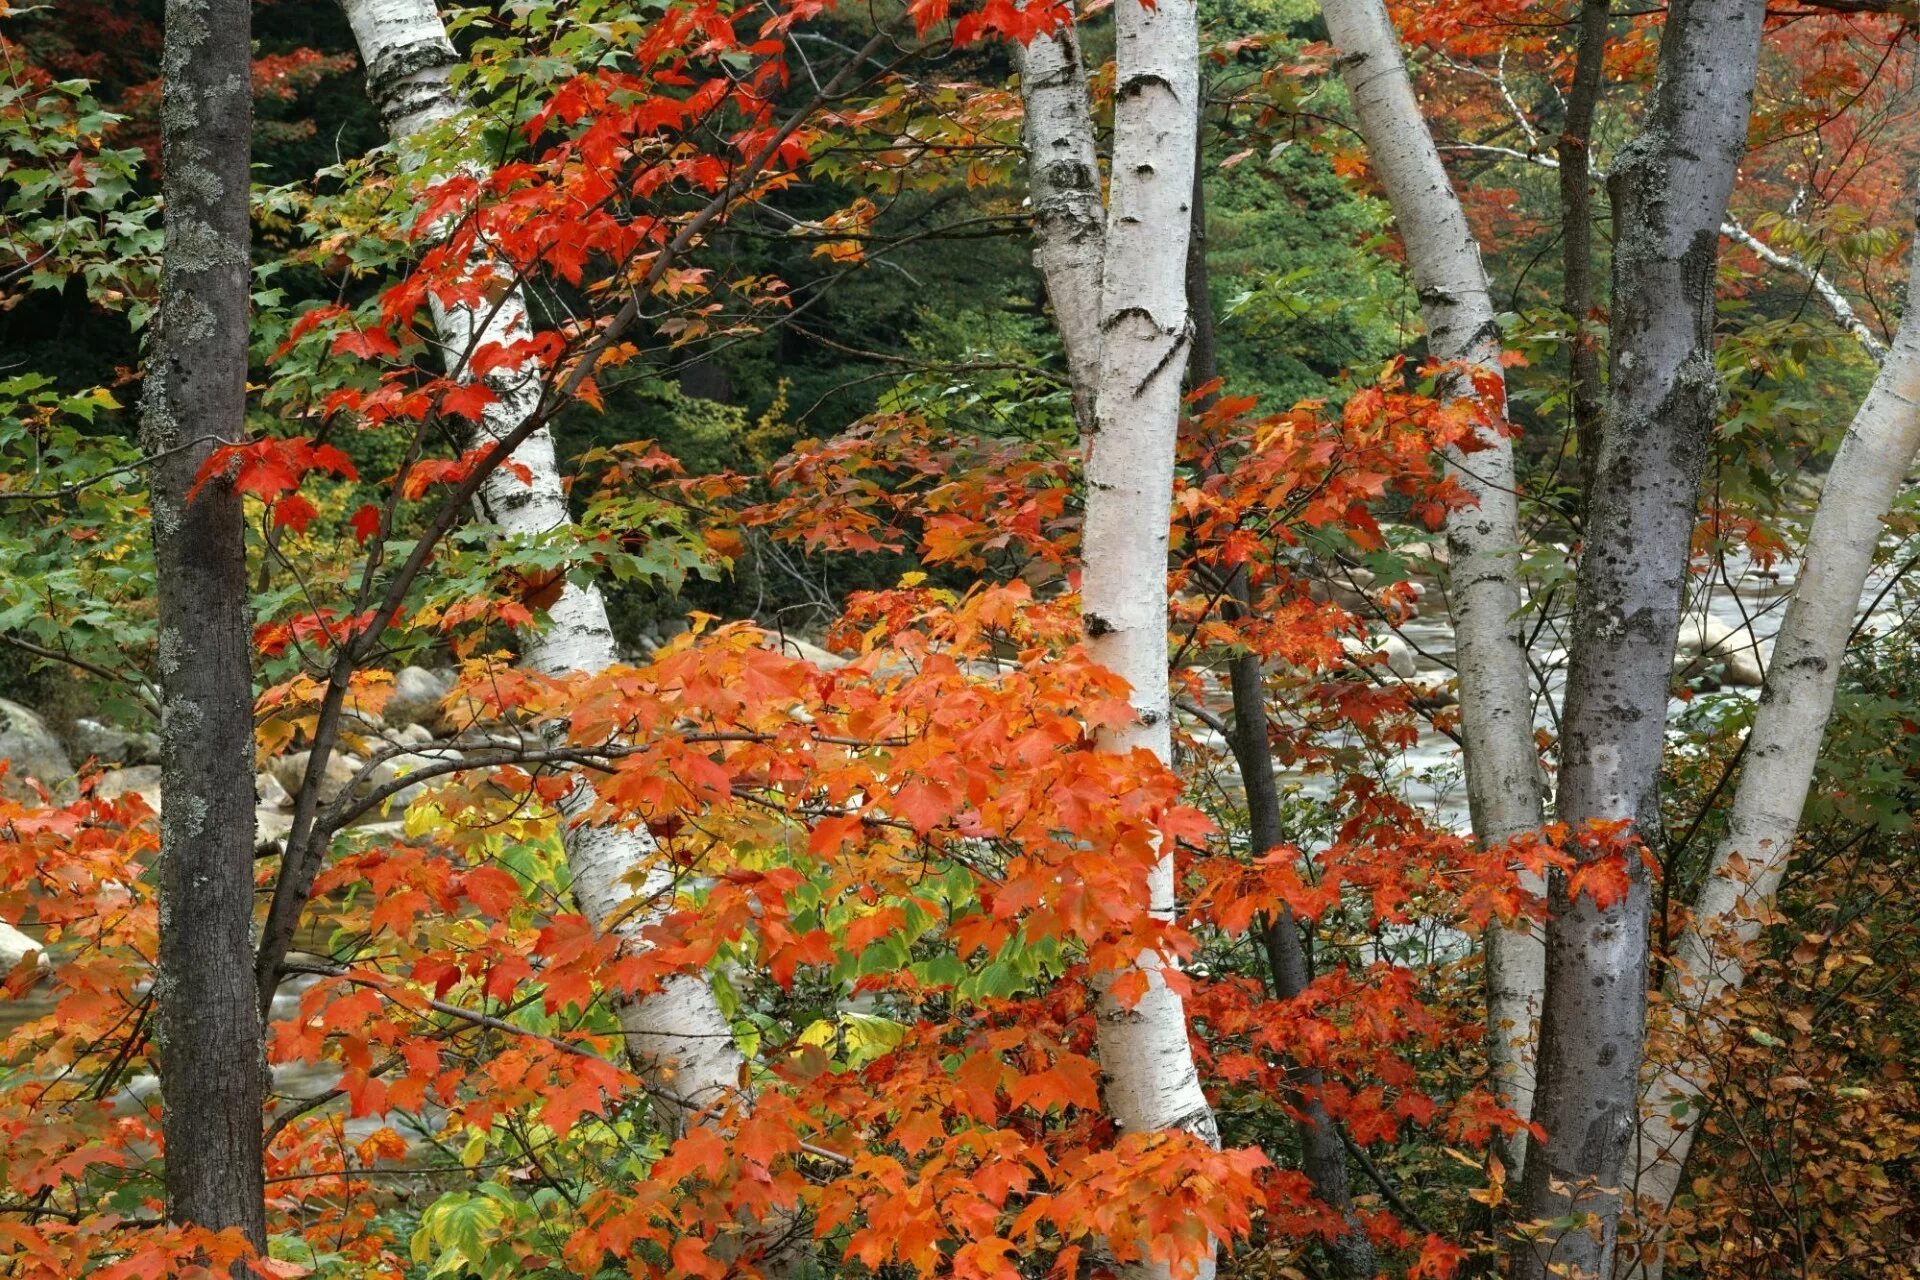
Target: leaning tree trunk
[1670, 189]
[1151, 1082]
[1496, 707]
[212, 1065]
[679, 1038]
[1783, 745]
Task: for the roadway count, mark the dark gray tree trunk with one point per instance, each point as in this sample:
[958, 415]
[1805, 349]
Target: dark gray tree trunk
[212, 1071]
[1323, 1157]
[1670, 189]
[1575, 150]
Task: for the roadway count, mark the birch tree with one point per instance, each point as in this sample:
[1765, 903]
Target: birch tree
[1783, 745]
[1496, 709]
[212, 1070]
[678, 1038]
[1069, 221]
[1134, 347]
[1670, 189]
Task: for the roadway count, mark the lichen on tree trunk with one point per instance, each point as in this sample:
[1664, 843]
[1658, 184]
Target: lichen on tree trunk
[209, 1038]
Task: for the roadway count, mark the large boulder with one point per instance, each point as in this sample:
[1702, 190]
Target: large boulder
[795, 647]
[417, 694]
[31, 751]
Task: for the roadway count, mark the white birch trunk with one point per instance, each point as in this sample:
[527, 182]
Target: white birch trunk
[1069, 222]
[1784, 743]
[1496, 709]
[1144, 331]
[679, 1039]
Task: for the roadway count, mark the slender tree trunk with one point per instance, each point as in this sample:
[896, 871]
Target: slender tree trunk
[1496, 706]
[1063, 182]
[1576, 232]
[679, 1038]
[1670, 189]
[212, 1068]
[1784, 744]
[1323, 1157]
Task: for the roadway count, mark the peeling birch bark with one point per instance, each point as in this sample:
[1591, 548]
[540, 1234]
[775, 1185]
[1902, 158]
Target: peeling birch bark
[1144, 333]
[1069, 221]
[1783, 745]
[1117, 282]
[1496, 695]
[678, 1039]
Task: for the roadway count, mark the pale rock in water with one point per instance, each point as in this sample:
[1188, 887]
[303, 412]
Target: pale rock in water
[290, 772]
[14, 946]
[269, 793]
[416, 697]
[1707, 641]
[142, 780]
[1398, 653]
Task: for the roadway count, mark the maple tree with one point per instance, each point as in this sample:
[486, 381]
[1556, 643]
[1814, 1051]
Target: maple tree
[931, 877]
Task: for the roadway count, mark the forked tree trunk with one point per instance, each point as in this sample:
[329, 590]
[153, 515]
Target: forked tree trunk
[212, 1069]
[1151, 1081]
[1138, 335]
[678, 1039]
[1670, 189]
[1496, 706]
[1783, 744]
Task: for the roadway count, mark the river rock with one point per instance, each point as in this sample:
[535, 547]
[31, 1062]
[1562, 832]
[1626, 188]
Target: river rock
[110, 744]
[390, 771]
[142, 780]
[417, 694]
[268, 792]
[32, 752]
[795, 647]
[411, 735]
[1431, 551]
[1706, 642]
[291, 770]
[14, 946]
[1399, 653]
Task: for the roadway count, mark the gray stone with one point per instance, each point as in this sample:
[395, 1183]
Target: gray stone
[142, 780]
[416, 697]
[1398, 653]
[1706, 643]
[110, 744]
[32, 752]
[795, 647]
[269, 793]
[290, 772]
[391, 771]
